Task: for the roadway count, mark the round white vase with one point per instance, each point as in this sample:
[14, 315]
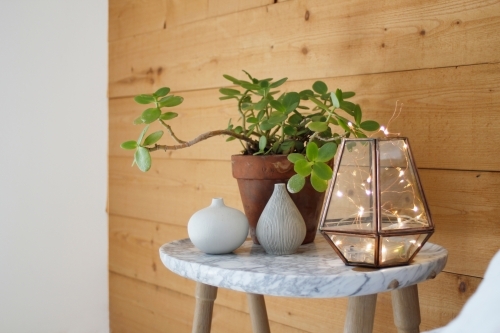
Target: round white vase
[218, 229]
[281, 228]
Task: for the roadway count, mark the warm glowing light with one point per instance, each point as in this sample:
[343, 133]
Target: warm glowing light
[405, 146]
[361, 211]
[369, 180]
[349, 124]
[369, 247]
[401, 173]
[415, 208]
[402, 181]
[368, 192]
[399, 220]
[339, 194]
[338, 243]
[354, 173]
[413, 241]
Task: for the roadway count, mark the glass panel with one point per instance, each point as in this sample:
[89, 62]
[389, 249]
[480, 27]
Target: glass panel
[355, 249]
[351, 206]
[402, 204]
[398, 249]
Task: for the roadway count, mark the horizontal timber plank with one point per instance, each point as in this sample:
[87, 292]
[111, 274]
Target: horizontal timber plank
[330, 39]
[157, 309]
[135, 17]
[464, 204]
[134, 248]
[171, 191]
[451, 115]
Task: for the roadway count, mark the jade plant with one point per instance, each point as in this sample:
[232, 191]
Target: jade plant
[298, 124]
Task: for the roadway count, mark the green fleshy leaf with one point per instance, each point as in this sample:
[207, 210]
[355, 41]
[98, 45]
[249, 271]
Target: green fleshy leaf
[153, 138]
[278, 106]
[305, 94]
[261, 105]
[335, 100]
[266, 125]
[290, 130]
[139, 140]
[252, 120]
[318, 184]
[348, 94]
[162, 92]
[312, 151]
[264, 84]
[369, 125]
[171, 101]
[129, 145]
[227, 97]
[291, 101]
[150, 115]
[357, 114]
[229, 92]
[138, 121]
[143, 159]
[168, 115]
[262, 143]
[296, 183]
[302, 167]
[317, 126]
[295, 119]
[320, 87]
[294, 157]
[144, 99]
[327, 152]
[287, 146]
[322, 170]
[277, 118]
[231, 138]
[232, 79]
[278, 83]
[348, 107]
[319, 103]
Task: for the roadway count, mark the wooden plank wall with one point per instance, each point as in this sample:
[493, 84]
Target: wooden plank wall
[440, 58]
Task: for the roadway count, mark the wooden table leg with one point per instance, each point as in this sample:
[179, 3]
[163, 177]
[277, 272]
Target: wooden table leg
[205, 297]
[360, 314]
[406, 309]
[258, 313]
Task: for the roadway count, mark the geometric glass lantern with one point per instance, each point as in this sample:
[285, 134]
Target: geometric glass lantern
[375, 213]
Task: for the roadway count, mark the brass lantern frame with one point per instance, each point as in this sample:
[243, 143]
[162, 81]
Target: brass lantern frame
[379, 232]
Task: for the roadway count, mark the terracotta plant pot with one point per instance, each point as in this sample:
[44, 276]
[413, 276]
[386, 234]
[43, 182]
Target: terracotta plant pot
[256, 176]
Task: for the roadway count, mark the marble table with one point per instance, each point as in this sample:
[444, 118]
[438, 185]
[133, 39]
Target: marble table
[315, 271]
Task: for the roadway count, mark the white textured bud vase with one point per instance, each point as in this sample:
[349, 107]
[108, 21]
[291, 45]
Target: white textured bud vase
[218, 229]
[281, 228]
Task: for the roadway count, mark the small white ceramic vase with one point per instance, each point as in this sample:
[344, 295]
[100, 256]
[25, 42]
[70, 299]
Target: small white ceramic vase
[281, 228]
[218, 229]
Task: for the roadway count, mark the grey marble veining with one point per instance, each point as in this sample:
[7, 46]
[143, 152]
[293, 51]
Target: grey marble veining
[315, 271]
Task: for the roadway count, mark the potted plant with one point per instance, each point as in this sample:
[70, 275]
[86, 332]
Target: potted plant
[285, 137]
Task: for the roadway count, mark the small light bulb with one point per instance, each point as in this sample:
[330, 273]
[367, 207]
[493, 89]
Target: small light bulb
[413, 241]
[361, 211]
[368, 192]
[386, 132]
[415, 208]
[369, 180]
[349, 124]
[405, 145]
[368, 247]
[399, 220]
[382, 128]
[338, 243]
[339, 194]
[402, 181]
[401, 173]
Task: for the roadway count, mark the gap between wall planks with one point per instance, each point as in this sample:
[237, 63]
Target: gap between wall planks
[330, 39]
[445, 110]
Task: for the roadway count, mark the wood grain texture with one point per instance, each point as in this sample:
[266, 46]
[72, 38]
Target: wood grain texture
[150, 308]
[135, 304]
[464, 204]
[451, 115]
[329, 39]
[132, 18]
[135, 17]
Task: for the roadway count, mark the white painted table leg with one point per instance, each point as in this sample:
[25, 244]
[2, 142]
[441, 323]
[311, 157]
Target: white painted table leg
[406, 309]
[258, 313]
[360, 314]
[205, 297]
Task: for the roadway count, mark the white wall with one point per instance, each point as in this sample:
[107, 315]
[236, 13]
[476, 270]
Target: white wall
[53, 134]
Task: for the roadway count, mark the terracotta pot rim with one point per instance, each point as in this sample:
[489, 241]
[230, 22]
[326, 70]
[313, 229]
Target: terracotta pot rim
[270, 167]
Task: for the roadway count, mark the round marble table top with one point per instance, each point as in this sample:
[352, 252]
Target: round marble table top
[315, 271]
